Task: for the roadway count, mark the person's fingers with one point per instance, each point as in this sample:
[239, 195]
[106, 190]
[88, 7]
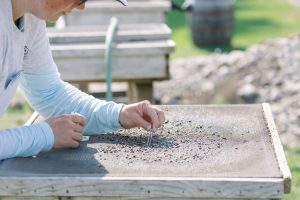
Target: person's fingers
[153, 116]
[52, 119]
[77, 136]
[161, 117]
[78, 128]
[140, 122]
[77, 118]
[146, 102]
[74, 144]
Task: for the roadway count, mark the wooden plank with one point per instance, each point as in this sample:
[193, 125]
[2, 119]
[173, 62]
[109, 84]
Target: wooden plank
[99, 13]
[279, 152]
[123, 69]
[111, 198]
[126, 33]
[73, 60]
[124, 18]
[130, 48]
[106, 5]
[143, 187]
[84, 87]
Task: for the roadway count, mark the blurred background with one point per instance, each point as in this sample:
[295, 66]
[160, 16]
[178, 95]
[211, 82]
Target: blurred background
[227, 52]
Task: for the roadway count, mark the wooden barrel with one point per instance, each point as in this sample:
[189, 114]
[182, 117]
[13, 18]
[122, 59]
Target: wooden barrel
[211, 22]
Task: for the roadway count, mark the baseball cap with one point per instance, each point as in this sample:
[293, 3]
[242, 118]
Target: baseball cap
[124, 2]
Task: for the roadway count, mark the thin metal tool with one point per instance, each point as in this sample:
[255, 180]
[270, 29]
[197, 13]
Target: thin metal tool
[149, 142]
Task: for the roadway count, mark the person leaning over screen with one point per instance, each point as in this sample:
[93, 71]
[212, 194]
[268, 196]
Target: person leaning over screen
[26, 60]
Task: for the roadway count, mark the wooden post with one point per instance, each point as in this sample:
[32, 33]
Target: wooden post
[139, 91]
[84, 87]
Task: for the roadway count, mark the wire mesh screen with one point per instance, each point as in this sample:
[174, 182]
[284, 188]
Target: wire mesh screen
[195, 141]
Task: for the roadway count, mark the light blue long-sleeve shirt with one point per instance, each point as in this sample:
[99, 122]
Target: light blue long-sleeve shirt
[50, 96]
[26, 59]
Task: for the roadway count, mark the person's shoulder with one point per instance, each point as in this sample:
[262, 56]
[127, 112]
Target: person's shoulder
[5, 9]
[34, 23]
[33, 27]
[3, 41]
[4, 28]
[5, 15]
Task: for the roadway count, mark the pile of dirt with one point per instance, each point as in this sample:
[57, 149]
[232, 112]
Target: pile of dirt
[266, 72]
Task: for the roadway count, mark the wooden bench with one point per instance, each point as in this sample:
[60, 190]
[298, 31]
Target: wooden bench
[97, 34]
[140, 57]
[139, 23]
[138, 12]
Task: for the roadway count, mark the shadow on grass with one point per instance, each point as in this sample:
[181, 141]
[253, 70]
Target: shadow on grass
[297, 151]
[295, 170]
[220, 49]
[252, 25]
[247, 5]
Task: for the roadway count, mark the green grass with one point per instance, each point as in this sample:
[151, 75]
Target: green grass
[16, 116]
[293, 157]
[255, 21]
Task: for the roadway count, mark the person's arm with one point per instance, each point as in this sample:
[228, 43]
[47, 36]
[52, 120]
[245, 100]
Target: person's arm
[25, 141]
[50, 96]
[2, 47]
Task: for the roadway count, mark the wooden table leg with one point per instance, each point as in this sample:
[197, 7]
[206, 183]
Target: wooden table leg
[84, 87]
[138, 91]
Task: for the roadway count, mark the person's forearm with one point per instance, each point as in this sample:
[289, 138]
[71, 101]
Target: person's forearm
[50, 96]
[25, 141]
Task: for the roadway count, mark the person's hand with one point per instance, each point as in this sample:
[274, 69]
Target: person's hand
[67, 130]
[142, 114]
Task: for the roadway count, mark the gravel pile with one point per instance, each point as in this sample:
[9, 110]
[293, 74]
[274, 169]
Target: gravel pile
[266, 72]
